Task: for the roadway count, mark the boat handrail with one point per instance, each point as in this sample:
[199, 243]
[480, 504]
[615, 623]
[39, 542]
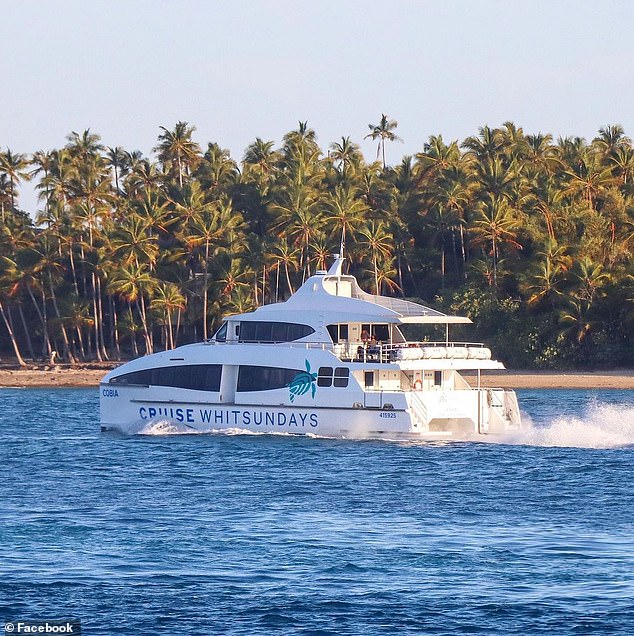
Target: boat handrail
[359, 351]
[329, 345]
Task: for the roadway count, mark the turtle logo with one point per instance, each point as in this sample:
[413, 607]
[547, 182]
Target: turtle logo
[303, 381]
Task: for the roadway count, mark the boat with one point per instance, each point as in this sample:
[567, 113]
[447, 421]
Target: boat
[331, 361]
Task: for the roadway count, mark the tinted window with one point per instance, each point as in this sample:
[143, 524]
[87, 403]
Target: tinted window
[143, 377]
[221, 334]
[295, 332]
[279, 332]
[198, 377]
[247, 332]
[381, 333]
[341, 377]
[324, 376]
[264, 331]
[252, 378]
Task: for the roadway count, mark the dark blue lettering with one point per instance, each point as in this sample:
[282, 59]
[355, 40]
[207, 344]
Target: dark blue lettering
[235, 417]
[270, 419]
[313, 420]
[142, 413]
[292, 420]
[190, 416]
[302, 417]
[255, 418]
[179, 415]
[246, 418]
[151, 411]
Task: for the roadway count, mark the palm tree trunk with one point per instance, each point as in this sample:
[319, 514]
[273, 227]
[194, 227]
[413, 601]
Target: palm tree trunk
[71, 258]
[46, 343]
[205, 291]
[102, 340]
[135, 348]
[66, 345]
[463, 252]
[14, 342]
[47, 340]
[95, 314]
[376, 275]
[169, 325]
[146, 333]
[178, 325]
[80, 340]
[288, 279]
[27, 333]
[115, 328]
[495, 263]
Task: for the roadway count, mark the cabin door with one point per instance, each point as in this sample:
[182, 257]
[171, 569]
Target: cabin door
[372, 394]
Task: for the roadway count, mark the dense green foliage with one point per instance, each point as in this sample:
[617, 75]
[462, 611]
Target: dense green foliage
[529, 237]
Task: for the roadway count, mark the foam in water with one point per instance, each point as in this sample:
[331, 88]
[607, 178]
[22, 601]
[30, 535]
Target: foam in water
[602, 426]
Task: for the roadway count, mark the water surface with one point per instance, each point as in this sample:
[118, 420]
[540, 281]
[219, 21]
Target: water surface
[270, 534]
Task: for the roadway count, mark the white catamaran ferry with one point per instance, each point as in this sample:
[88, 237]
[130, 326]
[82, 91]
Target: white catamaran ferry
[332, 360]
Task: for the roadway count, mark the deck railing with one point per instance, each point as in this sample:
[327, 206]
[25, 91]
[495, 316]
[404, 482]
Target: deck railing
[358, 351]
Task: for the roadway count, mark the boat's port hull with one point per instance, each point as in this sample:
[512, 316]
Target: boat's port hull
[127, 413]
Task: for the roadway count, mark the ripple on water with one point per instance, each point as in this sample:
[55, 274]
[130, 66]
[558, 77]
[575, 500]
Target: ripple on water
[164, 531]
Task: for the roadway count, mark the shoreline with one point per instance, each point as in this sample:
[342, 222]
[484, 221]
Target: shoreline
[86, 376]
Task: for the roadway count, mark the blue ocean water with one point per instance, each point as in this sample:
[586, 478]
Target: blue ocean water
[264, 534]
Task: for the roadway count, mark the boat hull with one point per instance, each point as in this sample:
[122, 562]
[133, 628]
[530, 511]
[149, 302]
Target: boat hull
[127, 411]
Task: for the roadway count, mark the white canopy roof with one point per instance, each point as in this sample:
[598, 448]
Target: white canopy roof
[332, 297]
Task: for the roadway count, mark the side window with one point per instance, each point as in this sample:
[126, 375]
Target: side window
[341, 377]
[279, 332]
[247, 332]
[221, 334]
[324, 376]
[197, 377]
[264, 331]
[143, 378]
[252, 378]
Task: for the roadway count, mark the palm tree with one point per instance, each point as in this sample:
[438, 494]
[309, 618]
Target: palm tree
[496, 226]
[383, 131]
[347, 154]
[14, 167]
[345, 211]
[207, 228]
[377, 239]
[133, 282]
[589, 180]
[176, 147]
[168, 299]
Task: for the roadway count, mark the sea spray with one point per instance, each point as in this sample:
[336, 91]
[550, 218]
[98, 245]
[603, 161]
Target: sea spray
[601, 426]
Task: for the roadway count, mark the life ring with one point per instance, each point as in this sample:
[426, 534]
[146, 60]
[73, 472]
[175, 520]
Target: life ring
[418, 385]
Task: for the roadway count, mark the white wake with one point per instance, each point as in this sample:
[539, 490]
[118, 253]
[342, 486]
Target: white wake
[601, 426]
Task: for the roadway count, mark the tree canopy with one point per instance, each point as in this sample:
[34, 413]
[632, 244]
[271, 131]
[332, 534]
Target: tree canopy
[530, 237]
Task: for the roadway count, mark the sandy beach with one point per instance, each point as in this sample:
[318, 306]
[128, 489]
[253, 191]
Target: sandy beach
[90, 375]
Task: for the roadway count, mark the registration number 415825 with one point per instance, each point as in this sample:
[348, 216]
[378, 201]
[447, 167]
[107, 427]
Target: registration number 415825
[387, 415]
